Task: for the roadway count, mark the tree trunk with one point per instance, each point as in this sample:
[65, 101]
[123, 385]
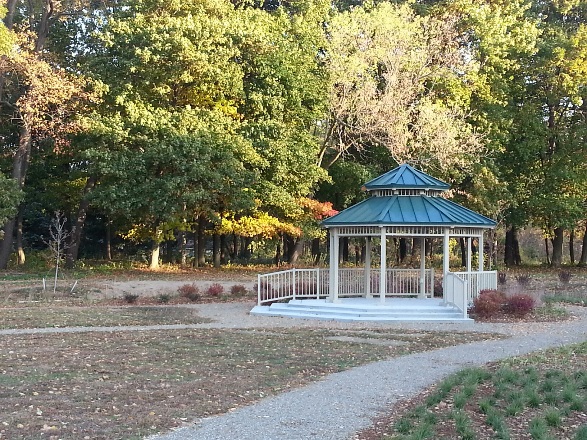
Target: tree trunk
[19, 168]
[547, 251]
[223, 249]
[201, 241]
[463, 251]
[216, 250]
[557, 247]
[512, 248]
[416, 244]
[235, 250]
[108, 240]
[155, 248]
[316, 250]
[344, 247]
[278, 250]
[296, 251]
[403, 249]
[76, 231]
[583, 259]
[181, 242]
[20, 256]
[572, 246]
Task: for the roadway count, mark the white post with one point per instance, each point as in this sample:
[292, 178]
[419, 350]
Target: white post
[368, 268]
[334, 246]
[480, 252]
[383, 270]
[445, 263]
[422, 267]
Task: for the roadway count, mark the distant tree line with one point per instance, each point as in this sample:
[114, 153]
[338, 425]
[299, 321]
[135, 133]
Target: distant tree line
[244, 123]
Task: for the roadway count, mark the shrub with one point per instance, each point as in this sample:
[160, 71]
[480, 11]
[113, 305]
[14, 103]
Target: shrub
[189, 291]
[164, 298]
[520, 304]
[130, 298]
[215, 289]
[489, 303]
[502, 278]
[238, 290]
[438, 288]
[523, 279]
[565, 276]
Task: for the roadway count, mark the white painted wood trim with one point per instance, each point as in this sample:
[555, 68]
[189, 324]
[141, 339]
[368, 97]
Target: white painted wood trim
[383, 266]
[368, 293]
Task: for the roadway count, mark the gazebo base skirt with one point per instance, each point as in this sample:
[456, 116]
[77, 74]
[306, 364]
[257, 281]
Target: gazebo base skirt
[366, 310]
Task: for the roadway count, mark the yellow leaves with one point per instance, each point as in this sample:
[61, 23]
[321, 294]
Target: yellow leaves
[260, 225]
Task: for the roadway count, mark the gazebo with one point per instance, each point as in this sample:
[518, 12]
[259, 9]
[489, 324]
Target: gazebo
[403, 203]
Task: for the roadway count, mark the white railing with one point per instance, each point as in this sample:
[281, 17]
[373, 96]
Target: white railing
[314, 283]
[478, 281]
[456, 292]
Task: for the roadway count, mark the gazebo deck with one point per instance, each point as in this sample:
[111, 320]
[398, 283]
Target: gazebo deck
[366, 310]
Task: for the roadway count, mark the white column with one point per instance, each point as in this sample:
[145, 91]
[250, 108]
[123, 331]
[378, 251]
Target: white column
[480, 252]
[445, 262]
[422, 267]
[368, 268]
[334, 251]
[383, 271]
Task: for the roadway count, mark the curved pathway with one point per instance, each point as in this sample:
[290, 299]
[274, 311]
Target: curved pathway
[342, 404]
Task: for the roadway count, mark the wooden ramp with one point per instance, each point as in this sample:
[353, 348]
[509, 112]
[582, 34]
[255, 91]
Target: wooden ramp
[366, 310]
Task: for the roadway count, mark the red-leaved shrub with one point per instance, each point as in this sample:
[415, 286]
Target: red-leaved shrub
[215, 289]
[189, 291]
[520, 304]
[489, 303]
[238, 290]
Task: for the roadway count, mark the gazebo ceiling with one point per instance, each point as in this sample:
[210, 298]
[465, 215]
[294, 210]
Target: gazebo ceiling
[404, 177]
[402, 198]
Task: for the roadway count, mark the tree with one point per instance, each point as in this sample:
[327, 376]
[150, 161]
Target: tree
[38, 97]
[397, 80]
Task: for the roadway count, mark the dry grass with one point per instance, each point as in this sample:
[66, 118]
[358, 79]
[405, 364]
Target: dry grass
[131, 384]
[39, 317]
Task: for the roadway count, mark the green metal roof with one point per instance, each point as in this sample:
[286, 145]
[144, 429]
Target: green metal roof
[399, 210]
[405, 177]
[409, 209]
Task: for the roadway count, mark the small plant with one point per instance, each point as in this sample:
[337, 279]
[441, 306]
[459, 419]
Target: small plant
[523, 279]
[581, 433]
[565, 276]
[215, 289]
[238, 290]
[130, 298]
[502, 278]
[552, 417]
[489, 303]
[520, 304]
[190, 291]
[164, 298]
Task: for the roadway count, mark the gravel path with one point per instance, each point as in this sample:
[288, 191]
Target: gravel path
[338, 406]
[342, 404]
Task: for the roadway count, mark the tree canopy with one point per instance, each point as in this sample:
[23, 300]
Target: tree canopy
[250, 121]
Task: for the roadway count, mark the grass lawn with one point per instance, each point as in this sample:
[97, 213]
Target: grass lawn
[52, 316]
[541, 396]
[132, 384]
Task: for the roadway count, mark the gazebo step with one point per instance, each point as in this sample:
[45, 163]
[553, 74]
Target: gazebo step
[361, 309]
